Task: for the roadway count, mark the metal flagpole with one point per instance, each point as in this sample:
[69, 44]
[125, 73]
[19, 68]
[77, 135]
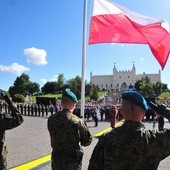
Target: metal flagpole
[83, 59]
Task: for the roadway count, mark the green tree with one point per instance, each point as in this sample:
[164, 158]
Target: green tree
[50, 87]
[12, 91]
[94, 93]
[137, 85]
[33, 87]
[149, 89]
[75, 86]
[88, 88]
[21, 86]
[145, 86]
[164, 87]
[18, 98]
[54, 86]
[60, 81]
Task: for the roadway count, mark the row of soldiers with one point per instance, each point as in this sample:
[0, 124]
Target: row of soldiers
[103, 112]
[46, 110]
[32, 109]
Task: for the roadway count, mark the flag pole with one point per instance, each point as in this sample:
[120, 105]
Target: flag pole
[83, 58]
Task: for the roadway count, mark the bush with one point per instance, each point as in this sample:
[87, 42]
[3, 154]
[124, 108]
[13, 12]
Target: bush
[18, 98]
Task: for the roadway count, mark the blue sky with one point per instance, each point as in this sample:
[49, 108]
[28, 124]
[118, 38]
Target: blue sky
[43, 38]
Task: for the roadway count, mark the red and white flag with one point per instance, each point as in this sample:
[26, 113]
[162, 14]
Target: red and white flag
[112, 23]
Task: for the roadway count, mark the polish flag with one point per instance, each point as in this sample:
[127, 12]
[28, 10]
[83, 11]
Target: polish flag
[112, 23]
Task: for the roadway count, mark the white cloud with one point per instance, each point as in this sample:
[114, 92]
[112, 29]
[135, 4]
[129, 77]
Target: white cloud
[121, 44]
[142, 59]
[44, 80]
[36, 56]
[55, 78]
[166, 25]
[14, 68]
[168, 86]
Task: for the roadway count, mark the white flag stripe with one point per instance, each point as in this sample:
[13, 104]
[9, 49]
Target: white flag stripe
[108, 7]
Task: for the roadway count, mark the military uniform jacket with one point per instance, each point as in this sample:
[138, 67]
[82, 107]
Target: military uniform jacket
[130, 147]
[67, 131]
[7, 122]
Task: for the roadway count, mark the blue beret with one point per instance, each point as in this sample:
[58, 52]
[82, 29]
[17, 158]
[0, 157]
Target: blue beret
[70, 94]
[135, 98]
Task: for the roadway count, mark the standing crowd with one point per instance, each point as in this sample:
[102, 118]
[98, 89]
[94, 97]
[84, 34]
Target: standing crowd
[130, 146]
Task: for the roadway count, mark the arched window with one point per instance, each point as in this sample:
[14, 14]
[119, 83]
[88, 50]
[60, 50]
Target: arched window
[123, 86]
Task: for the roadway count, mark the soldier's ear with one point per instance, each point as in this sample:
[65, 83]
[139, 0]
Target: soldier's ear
[74, 103]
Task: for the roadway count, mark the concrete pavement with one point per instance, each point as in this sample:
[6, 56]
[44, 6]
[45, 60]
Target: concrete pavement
[31, 141]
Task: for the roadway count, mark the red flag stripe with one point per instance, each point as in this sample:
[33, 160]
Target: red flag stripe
[112, 23]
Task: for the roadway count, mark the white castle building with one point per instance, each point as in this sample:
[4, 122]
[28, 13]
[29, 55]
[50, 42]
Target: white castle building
[121, 80]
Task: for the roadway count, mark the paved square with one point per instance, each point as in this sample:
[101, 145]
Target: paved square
[31, 141]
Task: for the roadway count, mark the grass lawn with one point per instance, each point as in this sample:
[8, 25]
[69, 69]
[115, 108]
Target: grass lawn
[58, 96]
[164, 95]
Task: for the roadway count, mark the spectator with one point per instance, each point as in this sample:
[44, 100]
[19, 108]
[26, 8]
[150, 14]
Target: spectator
[113, 116]
[96, 116]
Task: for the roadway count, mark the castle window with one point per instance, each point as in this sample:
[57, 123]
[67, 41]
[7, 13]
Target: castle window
[119, 76]
[106, 85]
[110, 85]
[101, 85]
[128, 76]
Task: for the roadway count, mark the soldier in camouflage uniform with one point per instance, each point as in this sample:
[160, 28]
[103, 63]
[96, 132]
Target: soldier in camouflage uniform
[7, 121]
[132, 146]
[68, 133]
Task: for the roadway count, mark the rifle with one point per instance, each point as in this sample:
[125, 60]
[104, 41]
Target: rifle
[162, 109]
[6, 98]
[9, 102]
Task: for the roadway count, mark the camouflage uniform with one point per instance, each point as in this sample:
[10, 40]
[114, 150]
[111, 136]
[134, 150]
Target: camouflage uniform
[7, 121]
[68, 133]
[130, 147]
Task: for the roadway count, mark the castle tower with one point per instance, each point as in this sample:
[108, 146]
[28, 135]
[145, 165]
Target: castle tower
[90, 76]
[134, 68]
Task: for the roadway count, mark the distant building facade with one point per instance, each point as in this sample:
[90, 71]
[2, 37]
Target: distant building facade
[121, 80]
